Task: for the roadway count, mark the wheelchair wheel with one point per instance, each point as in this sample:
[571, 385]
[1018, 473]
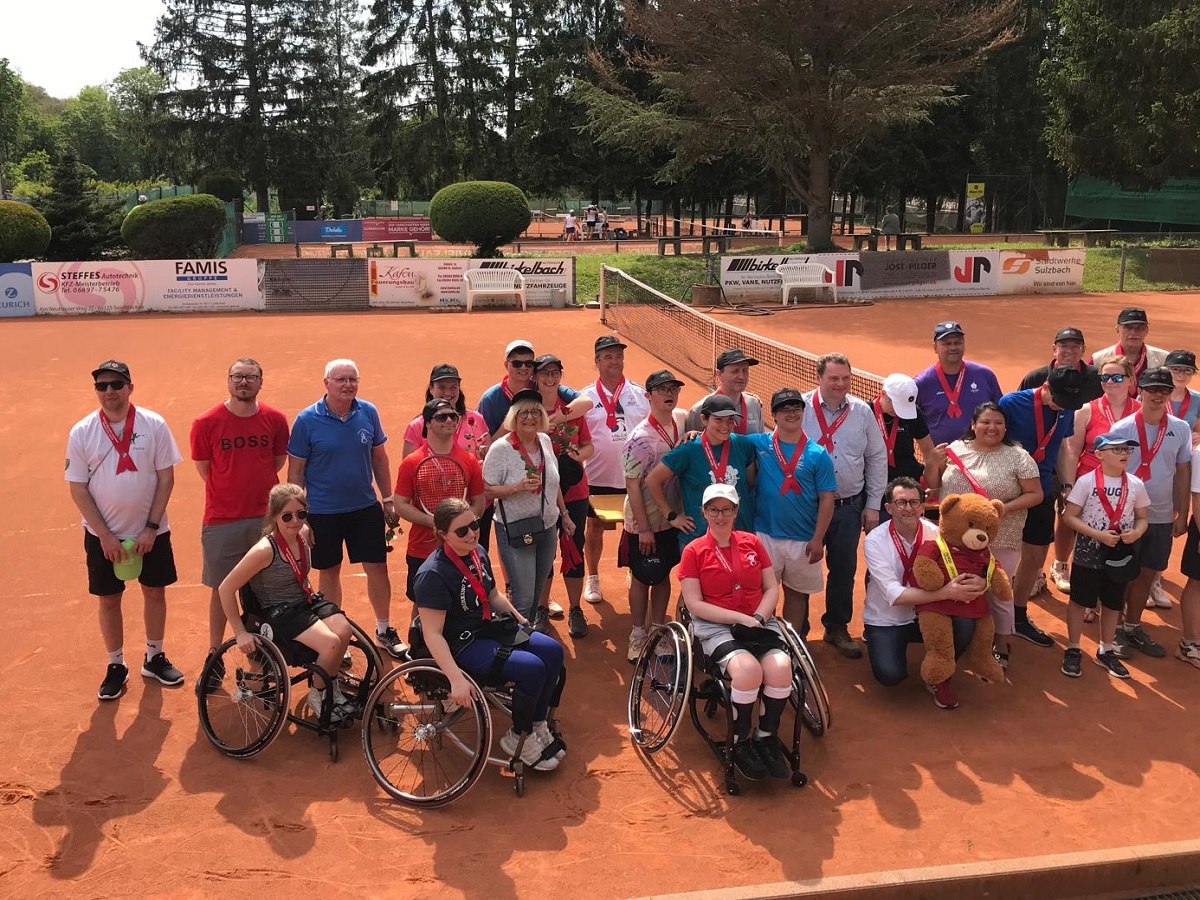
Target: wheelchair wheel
[817, 715]
[661, 683]
[422, 748]
[365, 667]
[244, 711]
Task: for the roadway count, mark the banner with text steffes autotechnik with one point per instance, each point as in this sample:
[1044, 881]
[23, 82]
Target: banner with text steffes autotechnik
[428, 282]
[184, 285]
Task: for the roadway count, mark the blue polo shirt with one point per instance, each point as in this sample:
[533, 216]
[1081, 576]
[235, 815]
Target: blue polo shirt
[337, 455]
[692, 471]
[494, 404]
[790, 516]
[1021, 427]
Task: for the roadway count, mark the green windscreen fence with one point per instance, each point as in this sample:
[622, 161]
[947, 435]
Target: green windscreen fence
[1177, 202]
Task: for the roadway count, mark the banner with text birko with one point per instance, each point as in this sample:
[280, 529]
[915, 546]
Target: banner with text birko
[416, 283]
[185, 285]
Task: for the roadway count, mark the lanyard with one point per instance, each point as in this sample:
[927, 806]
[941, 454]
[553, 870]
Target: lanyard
[1143, 471]
[662, 432]
[789, 465]
[971, 480]
[530, 468]
[889, 437]
[1138, 367]
[717, 469]
[610, 403]
[740, 428]
[1113, 512]
[733, 565]
[121, 445]
[476, 581]
[827, 430]
[953, 410]
[299, 567]
[906, 559]
[952, 570]
[1181, 410]
[1039, 423]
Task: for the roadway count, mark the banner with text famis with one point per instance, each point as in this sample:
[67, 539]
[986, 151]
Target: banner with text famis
[185, 285]
[427, 282]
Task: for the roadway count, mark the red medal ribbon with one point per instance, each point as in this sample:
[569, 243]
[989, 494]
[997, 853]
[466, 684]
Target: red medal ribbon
[1113, 512]
[789, 465]
[733, 565]
[907, 559]
[889, 437]
[827, 430]
[1039, 422]
[1139, 366]
[740, 428]
[476, 581]
[662, 432]
[1106, 410]
[121, 445]
[953, 410]
[530, 468]
[610, 403]
[1143, 471]
[1186, 402]
[971, 480]
[717, 469]
[299, 567]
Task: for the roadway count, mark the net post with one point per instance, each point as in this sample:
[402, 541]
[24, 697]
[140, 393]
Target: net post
[603, 293]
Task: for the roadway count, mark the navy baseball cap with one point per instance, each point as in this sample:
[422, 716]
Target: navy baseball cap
[609, 342]
[112, 365]
[718, 405]
[945, 329]
[1132, 315]
[729, 357]
[784, 396]
[444, 372]
[1069, 334]
[1156, 378]
[659, 379]
[1181, 358]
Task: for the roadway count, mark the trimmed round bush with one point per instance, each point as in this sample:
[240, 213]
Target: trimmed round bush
[484, 213]
[175, 227]
[24, 232]
[222, 184]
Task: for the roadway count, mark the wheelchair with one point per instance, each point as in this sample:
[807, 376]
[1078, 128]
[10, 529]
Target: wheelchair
[424, 749]
[673, 672]
[246, 701]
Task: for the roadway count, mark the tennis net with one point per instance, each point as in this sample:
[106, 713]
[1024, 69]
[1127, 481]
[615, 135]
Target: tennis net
[689, 341]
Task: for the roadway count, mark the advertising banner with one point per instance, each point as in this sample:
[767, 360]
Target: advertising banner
[1041, 271]
[416, 283]
[975, 212]
[753, 278]
[16, 290]
[192, 285]
[402, 228]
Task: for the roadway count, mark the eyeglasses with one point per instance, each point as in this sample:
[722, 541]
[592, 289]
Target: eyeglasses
[529, 414]
[521, 363]
[553, 373]
[103, 386]
[1182, 370]
[300, 514]
[790, 409]
[906, 504]
[667, 389]
[1120, 451]
[246, 378]
[1115, 379]
[721, 510]
[445, 417]
[345, 379]
[463, 530]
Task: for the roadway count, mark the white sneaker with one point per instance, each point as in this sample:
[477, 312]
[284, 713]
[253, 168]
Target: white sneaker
[531, 753]
[541, 731]
[556, 611]
[1060, 574]
[1158, 596]
[316, 698]
[1189, 653]
[637, 643]
[1039, 584]
[591, 589]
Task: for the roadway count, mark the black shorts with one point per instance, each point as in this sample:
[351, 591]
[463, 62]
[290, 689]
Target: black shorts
[414, 563]
[362, 532]
[1039, 524]
[1090, 585]
[1190, 564]
[655, 568]
[158, 566]
[1156, 546]
[286, 623]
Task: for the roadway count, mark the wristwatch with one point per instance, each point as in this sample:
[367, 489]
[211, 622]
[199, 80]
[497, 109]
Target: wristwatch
[761, 620]
[672, 516]
[153, 525]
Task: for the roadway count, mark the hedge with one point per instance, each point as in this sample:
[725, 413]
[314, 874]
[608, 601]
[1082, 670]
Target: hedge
[484, 213]
[222, 184]
[175, 227]
[24, 232]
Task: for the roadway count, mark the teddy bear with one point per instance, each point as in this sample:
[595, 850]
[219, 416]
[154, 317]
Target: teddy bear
[967, 526]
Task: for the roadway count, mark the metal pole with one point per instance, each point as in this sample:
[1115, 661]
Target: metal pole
[1121, 280]
[603, 293]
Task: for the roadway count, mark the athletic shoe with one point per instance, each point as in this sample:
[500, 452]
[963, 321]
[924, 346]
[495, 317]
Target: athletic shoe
[1060, 574]
[1158, 595]
[1189, 653]
[160, 667]
[113, 685]
[636, 644]
[555, 609]
[541, 620]
[843, 643]
[390, 642]
[1032, 633]
[576, 623]
[1001, 658]
[748, 762]
[943, 696]
[1137, 639]
[1072, 661]
[215, 677]
[541, 731]
[1108, 660]
[591, 589]
[1039, 584]
[774, 759]
[531, 752]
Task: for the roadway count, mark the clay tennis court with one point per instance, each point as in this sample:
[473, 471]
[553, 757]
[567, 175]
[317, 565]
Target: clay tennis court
[129, 799]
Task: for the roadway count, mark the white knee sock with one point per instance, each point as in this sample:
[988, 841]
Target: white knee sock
[153, 648]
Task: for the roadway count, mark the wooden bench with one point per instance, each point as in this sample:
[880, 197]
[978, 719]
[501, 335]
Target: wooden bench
[411, 245]
[866, 240]
[490, 282]
[609, 509]
[904, 238]
[1091, 237]
[374, 252]
[334, 248]
[805, 275]
[720, 241]
[675, 242]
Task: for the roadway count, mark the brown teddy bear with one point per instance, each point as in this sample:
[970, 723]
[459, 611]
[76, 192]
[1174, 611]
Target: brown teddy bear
[967, 526]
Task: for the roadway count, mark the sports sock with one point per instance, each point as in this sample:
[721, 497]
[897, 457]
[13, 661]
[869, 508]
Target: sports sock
[153, 648]
[382, 625]
[1074, 645]
[117, 657]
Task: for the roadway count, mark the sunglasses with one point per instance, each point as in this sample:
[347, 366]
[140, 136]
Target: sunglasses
[463, 530]
[300, 514]
[445, 417]
[1115, 379]
[103, 386]
[521, 363]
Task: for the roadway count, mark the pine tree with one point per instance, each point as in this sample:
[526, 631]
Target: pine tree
[83, 225]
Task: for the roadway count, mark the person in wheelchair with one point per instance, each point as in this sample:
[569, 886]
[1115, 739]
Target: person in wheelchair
[456, 594]
[276, 570]
[730, 592]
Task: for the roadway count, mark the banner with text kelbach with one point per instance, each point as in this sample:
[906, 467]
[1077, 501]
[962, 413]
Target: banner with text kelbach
[185, 285]
[422, 283]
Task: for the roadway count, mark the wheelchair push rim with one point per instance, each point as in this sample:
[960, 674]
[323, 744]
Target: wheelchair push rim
[242, 712]
[817, 714]
[662, 681]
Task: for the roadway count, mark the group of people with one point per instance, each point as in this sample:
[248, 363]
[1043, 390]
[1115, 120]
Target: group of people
[595, 224]
[1093, 458]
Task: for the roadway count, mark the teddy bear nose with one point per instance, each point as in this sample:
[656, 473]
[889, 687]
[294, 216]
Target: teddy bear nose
[975, 539]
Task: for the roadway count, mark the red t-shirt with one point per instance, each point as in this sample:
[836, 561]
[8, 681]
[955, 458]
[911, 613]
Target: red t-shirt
[421, 539]
[700, 561]
[241, 453]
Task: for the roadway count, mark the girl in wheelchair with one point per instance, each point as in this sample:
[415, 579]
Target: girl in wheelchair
[276, 570]
[456, 594]
[730, 591]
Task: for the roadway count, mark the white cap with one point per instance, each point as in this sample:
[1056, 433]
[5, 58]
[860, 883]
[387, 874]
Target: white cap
[902, 391]
[517, 345]
[717, 491]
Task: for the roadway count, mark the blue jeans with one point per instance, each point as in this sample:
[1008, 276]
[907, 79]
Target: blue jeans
[527, 567]
[887, 646]
[533, 669]
[841, 562]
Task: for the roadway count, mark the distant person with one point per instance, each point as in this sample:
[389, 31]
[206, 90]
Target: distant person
[1068, 350]
[890, 227]
[1133, 327]
[589, 220]
[733, 375]
[569, 226]
[602, 218]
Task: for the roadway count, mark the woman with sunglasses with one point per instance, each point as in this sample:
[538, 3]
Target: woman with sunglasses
[276, 569]
[459, 604]
[471, 432]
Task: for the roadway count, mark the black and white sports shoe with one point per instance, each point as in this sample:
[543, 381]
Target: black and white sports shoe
[113, 685]
[160, 667]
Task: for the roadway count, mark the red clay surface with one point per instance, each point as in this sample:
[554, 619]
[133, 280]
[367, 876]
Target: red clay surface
[129, 799]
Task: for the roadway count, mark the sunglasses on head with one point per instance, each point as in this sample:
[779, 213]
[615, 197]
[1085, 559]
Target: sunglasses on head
[521, 363]
[445, 416]
[1114, 378]
[463, 530]
[300, 514]
[103, 386]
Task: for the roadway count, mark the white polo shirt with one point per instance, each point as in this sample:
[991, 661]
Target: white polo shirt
[887, 576]
[604, 468]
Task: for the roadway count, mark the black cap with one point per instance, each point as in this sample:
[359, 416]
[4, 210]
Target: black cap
[608, 342]
[732, 356]
[1069, 334]
[945, 329]
[1181, 358]
[526, 394]
[546, 359]
[784, 396]
[431, 408]
[444, 372]
[112, 365]
[1132, 315]
[719, 405]
[1156, 378]
[1066, 387]
[659, 378]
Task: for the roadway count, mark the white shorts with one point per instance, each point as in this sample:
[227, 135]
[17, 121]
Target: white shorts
[792, 568]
